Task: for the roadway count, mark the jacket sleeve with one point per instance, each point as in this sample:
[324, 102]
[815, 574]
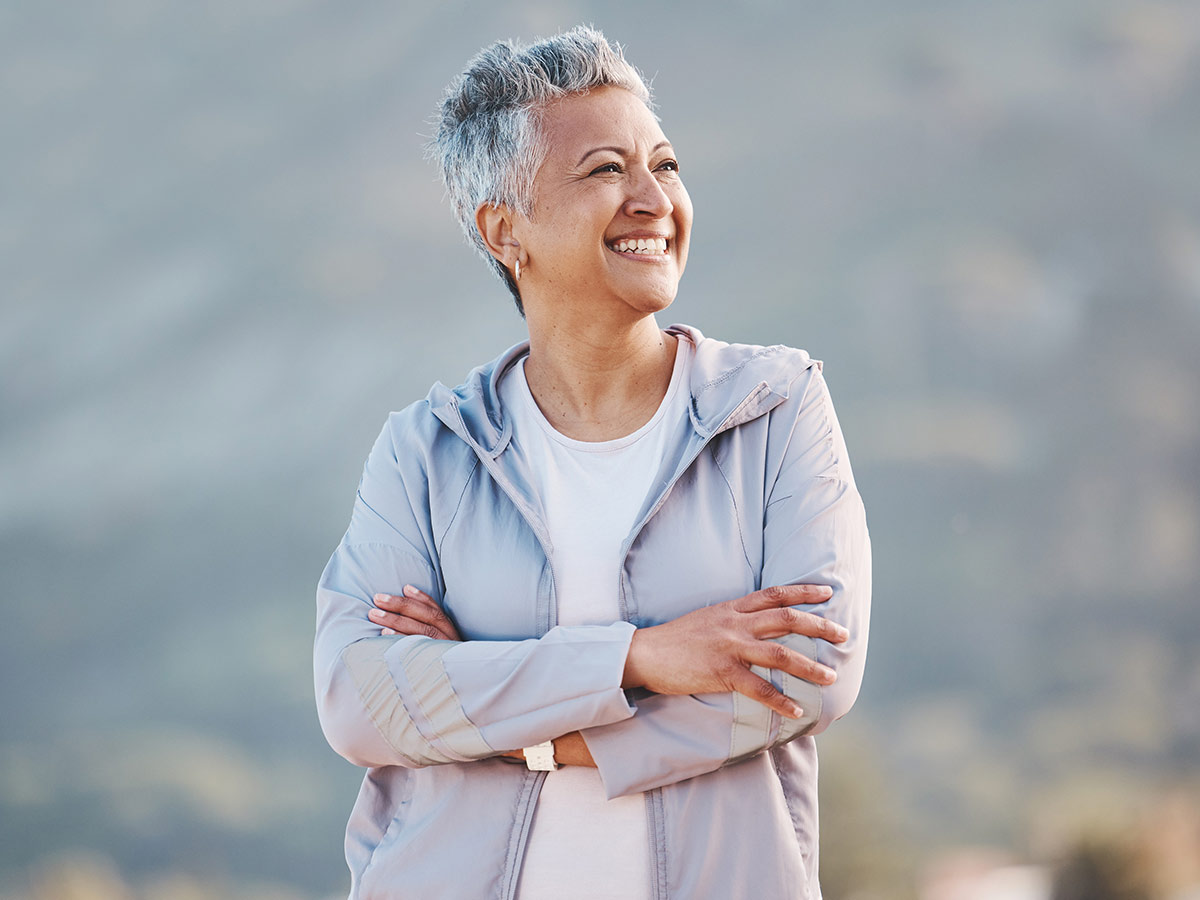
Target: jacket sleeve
[814, 532]
[413, 701]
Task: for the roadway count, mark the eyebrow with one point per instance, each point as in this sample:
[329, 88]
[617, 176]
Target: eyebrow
[620, 151]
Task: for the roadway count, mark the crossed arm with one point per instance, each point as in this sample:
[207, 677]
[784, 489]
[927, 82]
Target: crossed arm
[714, 686]
[709, 650]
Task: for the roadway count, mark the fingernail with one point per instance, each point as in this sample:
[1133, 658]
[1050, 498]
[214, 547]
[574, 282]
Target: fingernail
[828, 591]
[410, 591]
[379, 597]
[795, 711]
[375, 613]
[388, 631]
[830, 676]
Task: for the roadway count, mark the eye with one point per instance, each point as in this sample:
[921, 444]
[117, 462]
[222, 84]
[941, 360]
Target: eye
[669, 165]
[607, 168]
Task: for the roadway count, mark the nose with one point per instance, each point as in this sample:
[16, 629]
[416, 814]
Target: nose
[647, 197]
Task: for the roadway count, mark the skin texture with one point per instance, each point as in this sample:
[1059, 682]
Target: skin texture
[598, 369]
[707, 650]
[598, 364]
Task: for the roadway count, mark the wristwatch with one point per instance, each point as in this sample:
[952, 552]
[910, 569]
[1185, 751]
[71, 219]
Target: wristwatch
[540, 757]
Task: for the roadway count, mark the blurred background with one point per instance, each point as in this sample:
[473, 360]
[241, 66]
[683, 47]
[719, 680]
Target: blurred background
[224, 260]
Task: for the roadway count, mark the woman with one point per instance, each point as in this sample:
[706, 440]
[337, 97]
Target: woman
[633, 558]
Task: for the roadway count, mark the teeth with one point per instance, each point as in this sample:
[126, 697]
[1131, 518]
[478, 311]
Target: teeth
[641, 245]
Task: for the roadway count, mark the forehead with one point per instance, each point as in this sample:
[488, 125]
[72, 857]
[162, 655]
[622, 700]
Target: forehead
[606, 116]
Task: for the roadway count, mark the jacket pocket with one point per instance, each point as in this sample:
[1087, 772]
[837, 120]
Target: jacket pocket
[448, 839]
[378, 816]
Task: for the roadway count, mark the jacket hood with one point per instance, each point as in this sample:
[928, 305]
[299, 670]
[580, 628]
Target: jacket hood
[730, 384]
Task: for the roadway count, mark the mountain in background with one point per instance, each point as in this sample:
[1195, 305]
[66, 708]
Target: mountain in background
[226, 260]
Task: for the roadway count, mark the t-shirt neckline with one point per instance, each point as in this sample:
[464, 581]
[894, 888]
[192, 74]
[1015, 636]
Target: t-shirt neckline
[683, 352]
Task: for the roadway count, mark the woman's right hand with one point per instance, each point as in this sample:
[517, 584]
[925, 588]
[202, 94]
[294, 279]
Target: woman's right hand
[711, 649]
[705, 651]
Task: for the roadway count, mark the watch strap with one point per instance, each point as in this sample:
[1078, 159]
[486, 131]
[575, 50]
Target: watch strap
[540, 757]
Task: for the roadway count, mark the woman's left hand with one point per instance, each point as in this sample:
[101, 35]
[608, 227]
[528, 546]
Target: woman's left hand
[413, 612]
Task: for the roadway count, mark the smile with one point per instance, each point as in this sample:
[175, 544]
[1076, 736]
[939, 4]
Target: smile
[642, 246]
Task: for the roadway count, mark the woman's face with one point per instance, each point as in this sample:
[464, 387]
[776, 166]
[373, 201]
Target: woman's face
[609, 184]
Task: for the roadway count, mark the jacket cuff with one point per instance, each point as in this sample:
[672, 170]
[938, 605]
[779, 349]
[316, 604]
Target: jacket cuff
[520, 693]
[669, 739]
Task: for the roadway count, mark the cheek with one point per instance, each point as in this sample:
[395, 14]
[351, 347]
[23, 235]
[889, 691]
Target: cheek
[578, 241]
[683, 209]
[561, 241]
[683, 225]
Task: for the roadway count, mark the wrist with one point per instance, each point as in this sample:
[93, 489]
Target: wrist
[633, 675]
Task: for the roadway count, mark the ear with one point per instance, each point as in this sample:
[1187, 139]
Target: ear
[495, 224]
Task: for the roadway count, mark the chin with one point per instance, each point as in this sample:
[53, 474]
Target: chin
[649, 304]
[651, 299]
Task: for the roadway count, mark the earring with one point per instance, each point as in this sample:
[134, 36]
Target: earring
[517, 274]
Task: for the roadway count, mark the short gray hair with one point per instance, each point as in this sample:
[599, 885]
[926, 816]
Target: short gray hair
[489, 144]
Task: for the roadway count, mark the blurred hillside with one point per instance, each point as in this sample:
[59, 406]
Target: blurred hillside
[224, 260]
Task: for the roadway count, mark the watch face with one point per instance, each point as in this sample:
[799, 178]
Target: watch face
[541, 757]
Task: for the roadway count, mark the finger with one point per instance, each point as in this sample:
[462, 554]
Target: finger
[413, 615]
[772, 655]
[411, 598]
[418, 594]
[425, 610]
[405, 625]
[420, 606]
[778, 595]
[767, 694]
[774, 623]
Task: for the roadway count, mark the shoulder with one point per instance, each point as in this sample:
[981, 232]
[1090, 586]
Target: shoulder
[748, 378]
[415, 447]
[724, 364]
[455, 417]
[783, 384]
[414, 426]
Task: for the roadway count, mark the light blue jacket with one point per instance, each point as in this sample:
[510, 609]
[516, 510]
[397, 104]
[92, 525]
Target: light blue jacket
[756, 490]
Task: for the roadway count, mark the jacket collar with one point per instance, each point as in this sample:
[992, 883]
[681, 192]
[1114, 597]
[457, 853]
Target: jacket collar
[730, 384]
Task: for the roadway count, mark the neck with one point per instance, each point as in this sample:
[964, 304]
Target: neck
[598, 381]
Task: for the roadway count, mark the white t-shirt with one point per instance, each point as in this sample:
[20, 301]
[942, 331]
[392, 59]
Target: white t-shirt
[580, 844]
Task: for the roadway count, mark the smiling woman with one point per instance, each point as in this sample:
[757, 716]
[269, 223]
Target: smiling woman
[594, 603]
[609, 180]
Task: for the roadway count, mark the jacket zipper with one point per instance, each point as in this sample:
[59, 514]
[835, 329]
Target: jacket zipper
[655, 814]
[655, 804]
